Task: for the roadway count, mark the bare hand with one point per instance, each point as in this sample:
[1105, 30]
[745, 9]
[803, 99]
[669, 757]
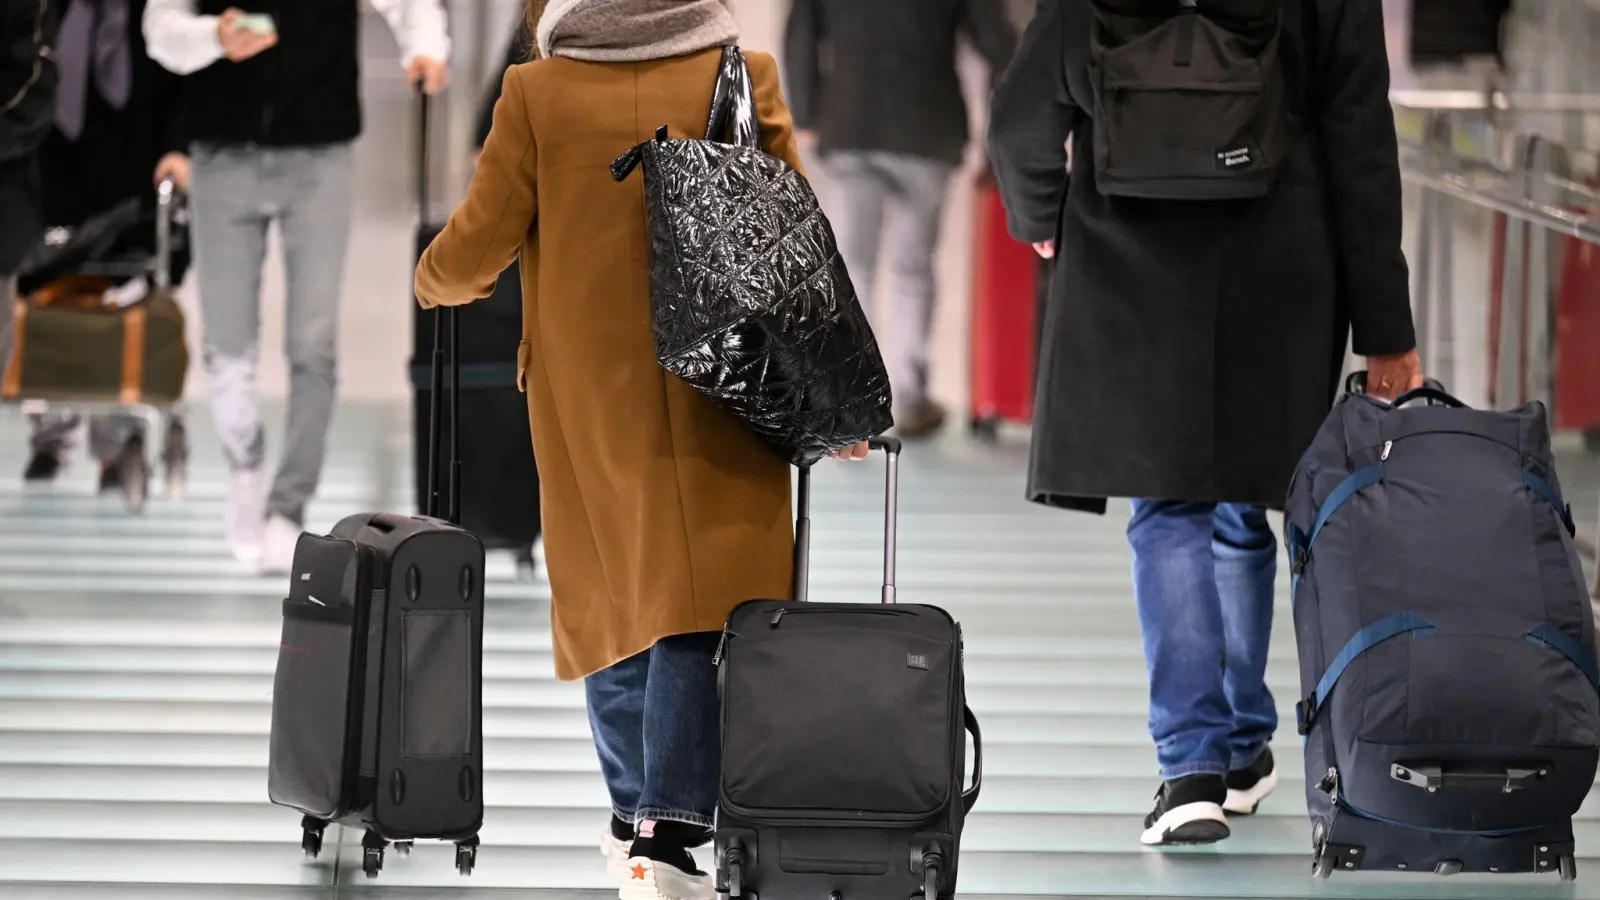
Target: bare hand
[1045, 249]
[851, 454]
[239, 44]
[1390, 376]
[428, 73]
[176, 167]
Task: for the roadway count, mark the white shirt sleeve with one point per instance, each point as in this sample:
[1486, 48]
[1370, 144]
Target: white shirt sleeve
[420, 27]
[180, 39]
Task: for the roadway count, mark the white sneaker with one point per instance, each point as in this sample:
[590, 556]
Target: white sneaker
[246, 514]
[615, 852]
[648, 878]
[277, 546]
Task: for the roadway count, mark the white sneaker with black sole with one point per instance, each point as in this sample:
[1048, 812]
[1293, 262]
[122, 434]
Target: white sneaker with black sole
[1188, 811]
[1248, 786]
[660, 866]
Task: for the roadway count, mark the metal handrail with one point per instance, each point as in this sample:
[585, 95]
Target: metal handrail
[1544, 215]
[1427, 99]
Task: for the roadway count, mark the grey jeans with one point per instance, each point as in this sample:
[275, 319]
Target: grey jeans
[237, 192]
[891, 203]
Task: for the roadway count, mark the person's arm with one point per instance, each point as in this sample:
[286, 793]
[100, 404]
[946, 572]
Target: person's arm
[1362, 161]
[179, 38]
[802, 57]
[772, 113]
[989, 26]
[1030, 119]
[420, 28]
[485, 233]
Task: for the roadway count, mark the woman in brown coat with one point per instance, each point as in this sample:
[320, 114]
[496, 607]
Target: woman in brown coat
[661, 511]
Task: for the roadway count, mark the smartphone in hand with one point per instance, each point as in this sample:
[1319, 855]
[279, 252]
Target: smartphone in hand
[259, 23]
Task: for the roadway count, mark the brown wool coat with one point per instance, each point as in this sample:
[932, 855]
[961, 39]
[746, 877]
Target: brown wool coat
[661, 511]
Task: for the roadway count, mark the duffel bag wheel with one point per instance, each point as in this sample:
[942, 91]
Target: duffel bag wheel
[371, 861]
[1569, 867]
[1322, 867]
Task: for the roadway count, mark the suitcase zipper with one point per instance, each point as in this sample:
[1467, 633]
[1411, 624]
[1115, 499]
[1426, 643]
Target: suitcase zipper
[777, 617]
[831, 817]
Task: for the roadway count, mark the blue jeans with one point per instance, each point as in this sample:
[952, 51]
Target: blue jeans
[657, 724]
[1203, 578]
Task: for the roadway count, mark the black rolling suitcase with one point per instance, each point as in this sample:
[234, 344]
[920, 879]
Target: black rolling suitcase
[502, 511]
[377, 706]
[1447, 648]
[844, 741]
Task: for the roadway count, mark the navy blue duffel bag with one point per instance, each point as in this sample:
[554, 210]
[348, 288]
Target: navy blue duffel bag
[1447, 649]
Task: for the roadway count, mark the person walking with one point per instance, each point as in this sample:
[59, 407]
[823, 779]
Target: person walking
[117, 132]
[1192, 347]
[876, 91]
[274, 104]
[27, 100]
[661, 510]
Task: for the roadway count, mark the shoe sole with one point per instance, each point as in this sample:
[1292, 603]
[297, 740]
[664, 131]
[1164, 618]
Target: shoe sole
[1188, 825]
[647, 880]
[1245, 803]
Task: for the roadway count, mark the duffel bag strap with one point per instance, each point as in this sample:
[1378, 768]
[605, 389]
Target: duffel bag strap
[1550, 636]
[1392, 626]
[1548, 492]
[969, 797]
[1300, 543]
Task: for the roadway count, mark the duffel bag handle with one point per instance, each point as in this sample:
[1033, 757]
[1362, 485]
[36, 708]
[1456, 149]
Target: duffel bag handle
[969, 797]
[1432, 390]
[1430, 393]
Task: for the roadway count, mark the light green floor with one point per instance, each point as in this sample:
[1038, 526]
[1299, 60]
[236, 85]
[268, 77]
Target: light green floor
[136, 668]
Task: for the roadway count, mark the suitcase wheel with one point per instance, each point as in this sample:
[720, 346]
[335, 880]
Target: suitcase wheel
[467, 856]
[1322, 867]
[931, 864]
[311, 836]
[732, 880]
[372, 861]
[1569, 867]
[403, 847]
[372, 847]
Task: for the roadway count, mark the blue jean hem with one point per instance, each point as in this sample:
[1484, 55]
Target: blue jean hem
[671, 815]
[1168, 773]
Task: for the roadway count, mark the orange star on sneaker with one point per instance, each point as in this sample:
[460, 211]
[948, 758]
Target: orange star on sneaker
[638, 872]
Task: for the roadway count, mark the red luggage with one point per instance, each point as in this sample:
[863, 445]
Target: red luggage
[1007, 282]
[1577, 365]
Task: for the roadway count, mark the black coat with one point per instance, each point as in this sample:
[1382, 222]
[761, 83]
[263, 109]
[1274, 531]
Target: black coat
[27, 105]
[881, 74]
[1191, 349]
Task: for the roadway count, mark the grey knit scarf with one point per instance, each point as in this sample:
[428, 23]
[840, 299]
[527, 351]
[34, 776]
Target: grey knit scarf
[634, 30]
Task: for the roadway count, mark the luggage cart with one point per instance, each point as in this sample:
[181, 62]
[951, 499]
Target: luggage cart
[132, 463]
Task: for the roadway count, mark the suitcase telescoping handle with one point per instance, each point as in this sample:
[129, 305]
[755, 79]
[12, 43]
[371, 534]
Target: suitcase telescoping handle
[444, 329]
[891, 516]
[166, 201]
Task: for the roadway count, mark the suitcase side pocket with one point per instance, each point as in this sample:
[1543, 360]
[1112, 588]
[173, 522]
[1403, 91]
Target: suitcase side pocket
[436, 684]
[311, 708]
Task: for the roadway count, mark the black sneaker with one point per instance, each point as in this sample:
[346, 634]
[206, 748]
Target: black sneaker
[1188, 811]
[1248, 786]
[42, 467]
[660, 866]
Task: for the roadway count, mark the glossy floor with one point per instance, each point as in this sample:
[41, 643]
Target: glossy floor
[136, 668]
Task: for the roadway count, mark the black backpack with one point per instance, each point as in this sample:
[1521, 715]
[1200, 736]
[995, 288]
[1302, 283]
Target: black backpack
[1191, 100]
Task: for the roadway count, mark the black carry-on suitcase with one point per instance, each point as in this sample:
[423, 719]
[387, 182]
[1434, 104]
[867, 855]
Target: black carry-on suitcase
[377, 706]
[502, 511]
[844, 741]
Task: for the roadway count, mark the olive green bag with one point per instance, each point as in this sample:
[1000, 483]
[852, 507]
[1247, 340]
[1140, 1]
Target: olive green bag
[70, 346]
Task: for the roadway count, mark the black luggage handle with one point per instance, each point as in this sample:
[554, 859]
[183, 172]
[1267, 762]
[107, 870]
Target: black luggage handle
[444, 318]
[1433, 777]
[969, 797]
[891, 516]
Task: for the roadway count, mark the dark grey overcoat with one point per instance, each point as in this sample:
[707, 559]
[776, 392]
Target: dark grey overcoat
[1191, 349]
